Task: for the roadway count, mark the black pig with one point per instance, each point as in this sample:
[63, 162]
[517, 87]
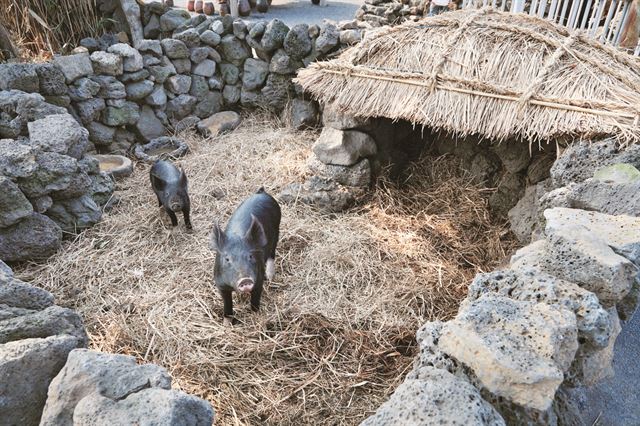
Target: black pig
[170, 185]
[246, 250]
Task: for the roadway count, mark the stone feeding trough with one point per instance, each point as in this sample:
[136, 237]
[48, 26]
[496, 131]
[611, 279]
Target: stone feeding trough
[164, 147]
[118, 166]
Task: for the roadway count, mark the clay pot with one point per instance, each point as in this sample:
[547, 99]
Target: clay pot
[199, 6]
[209, 8]
[224, 9]
[168, 3]
[262, 6]
[244, 8]
[191, 5]
[252, 3]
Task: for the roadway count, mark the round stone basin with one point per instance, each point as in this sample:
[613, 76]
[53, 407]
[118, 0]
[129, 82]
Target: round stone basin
[117, 166]
[161, 148]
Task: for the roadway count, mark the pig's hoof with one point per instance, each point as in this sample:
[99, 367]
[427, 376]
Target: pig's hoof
[270, 269]
[227, 322]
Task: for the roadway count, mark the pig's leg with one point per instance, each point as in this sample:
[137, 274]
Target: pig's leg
[186, 211]
[255, 298]
[228, 303]
[159, 200]
[172, 216]
[270, 268]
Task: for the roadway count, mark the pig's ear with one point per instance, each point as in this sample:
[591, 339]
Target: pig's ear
[217, 239]
[255, 233]
[183, 177]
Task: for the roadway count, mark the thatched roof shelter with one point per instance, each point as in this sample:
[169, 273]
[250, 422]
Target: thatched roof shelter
[494, 74]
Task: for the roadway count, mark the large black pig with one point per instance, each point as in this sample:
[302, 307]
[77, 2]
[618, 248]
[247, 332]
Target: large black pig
[246, 249]
[170, 186]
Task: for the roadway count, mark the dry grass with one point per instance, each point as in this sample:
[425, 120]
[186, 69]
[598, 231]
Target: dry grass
[41, 28]
[485, 72]
[335, 334]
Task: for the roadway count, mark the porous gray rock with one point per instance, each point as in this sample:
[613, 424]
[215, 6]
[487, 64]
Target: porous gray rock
[190, 37]
[230, 73]
[219, 123]
[83, 89]
[358, 175]
[175, 49]
[282, 63]
[328, 38]
[89, 372]
[211, 104]
[160, 73]
[152, 28]
[129, 113]
[74, 66]
[234, 51]
[90, 110]
[150, 46]
[59, 133]
[130, 77]
[107, 63]
[517, 350]
[27, 367]
[51, 321]
[76, 214]
[131, 58]
[139, 90]
[180, 107]
[239, 29]
[205, 68]
[157, 97]
[255, 73]
[513, 154]
[322, 193]
[149, 126]
[18, 294]
[210, 38]
[304, 114]
[33, 238]
[523, 217]
[350, 36]
[343, 147]
[277, 91]
[19, 77]
[110, 87]
[14, 206]
[173, 19]
[182, 66]
[532, 285]
[100, 134]
[509, 191]
[297, 42]
[431, 396]
[333, 117]
[199, 86]
[51, 79]
[17, 159]
[199, 54]
[231, 94]
[155, 406]
[179, 84]
[274, 34]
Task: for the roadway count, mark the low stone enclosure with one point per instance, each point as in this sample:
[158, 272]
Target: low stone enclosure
[526, 333]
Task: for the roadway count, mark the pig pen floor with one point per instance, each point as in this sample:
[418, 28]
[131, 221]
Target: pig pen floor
[335, 335]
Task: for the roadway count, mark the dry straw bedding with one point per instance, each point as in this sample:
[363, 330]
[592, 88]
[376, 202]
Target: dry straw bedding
[335, 334]
[490, 73]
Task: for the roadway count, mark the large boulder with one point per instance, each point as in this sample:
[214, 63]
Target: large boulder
[255, 73]
[131, 58]
[27, 367]
[343, 147]
[18, 294]
[33, 238]
[320, 192]
[358, 175]
[340, 120]
[59, 133]
[173, 19]
[149, 126]
[430, 396]
[234, 50]
[74, 66]
[76, 214]
[274, 35]
[19, 77]
[219, 123]
[17, 159]
[297, 42]
[517, 350]
[52, 81]
[523, 217]
[107, 63]
[304, 114]
[51, 321]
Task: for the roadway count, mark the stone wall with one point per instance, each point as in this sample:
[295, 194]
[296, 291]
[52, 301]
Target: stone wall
[49, 379]
[49, 184]
[549, 320]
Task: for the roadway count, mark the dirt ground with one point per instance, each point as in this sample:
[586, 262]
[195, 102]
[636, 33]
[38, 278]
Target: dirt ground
[336, 331]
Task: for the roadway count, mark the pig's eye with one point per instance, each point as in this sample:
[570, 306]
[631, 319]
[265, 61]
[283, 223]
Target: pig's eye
[226, 259]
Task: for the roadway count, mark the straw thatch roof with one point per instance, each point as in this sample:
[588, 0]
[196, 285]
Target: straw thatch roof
[494, 74]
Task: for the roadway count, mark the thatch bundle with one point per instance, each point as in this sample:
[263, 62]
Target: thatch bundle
[485, 72]
[48, 26]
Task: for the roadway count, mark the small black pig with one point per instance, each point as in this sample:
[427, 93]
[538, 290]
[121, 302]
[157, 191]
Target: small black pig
[246, 250]
[170, 185]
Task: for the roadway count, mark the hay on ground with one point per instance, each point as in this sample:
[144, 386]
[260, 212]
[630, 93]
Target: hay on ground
[335, 335]
[489, 73]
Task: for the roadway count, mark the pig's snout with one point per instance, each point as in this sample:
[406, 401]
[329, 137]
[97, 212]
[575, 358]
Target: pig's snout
[175, 206]
[245, 285]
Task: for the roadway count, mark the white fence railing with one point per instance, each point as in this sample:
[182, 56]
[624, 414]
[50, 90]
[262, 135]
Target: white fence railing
[606, 20]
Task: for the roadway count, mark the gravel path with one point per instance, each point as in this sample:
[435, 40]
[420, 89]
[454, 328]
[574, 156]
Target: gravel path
[301, 11]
